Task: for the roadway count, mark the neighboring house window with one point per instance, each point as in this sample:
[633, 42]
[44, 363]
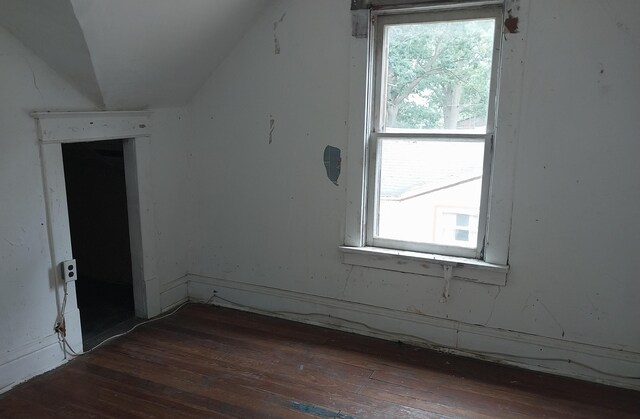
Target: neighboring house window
[431, 130]
[457, 226]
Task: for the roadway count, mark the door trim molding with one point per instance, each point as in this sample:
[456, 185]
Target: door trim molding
[57, 128]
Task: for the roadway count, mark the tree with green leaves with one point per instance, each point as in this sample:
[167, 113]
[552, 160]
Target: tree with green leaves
[438, 74]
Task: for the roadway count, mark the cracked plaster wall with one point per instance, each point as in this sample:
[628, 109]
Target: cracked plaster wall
[268, 216]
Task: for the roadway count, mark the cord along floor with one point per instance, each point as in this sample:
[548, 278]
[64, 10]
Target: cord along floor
[207, 361]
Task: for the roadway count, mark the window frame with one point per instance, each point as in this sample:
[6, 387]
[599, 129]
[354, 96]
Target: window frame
[380, 20]
[493, 267]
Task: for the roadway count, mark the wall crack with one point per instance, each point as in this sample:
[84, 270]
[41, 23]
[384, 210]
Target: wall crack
[276, 41]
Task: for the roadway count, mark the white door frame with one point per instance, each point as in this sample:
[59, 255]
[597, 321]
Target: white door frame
[57, 128]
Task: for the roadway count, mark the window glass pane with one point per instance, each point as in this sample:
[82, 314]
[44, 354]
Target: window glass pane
[428, 189]
[437, 76]
[462, 220]
[462, 235]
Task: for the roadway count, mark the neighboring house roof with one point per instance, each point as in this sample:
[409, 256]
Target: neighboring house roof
[413, 168]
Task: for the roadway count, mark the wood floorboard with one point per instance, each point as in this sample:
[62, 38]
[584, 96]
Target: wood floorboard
[412, 362]
[319, 387]
[281, 380]
[283, 359]
[14, 406]
[225, 395]
[214, 362]
[66, 399]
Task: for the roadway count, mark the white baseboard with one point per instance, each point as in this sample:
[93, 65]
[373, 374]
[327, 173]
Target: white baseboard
[528, 351]
[173, 293]
[41, 355]
[37, 359]
[519, 349]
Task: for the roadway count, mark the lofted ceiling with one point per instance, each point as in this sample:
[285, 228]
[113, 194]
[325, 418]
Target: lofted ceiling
[50, 29]
[131, 54]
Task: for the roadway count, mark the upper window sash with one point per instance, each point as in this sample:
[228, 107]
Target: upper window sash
[380, 20]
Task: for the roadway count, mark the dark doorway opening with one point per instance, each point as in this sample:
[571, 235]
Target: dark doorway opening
[98, 220]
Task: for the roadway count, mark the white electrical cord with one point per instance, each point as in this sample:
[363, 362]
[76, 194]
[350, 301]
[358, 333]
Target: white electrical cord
[428, 342]
[60, 327]
[174, 311]
[412, 338]
[68, 347]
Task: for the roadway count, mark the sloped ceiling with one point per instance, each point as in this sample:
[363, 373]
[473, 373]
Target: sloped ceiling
[50, 29]
[131, 54]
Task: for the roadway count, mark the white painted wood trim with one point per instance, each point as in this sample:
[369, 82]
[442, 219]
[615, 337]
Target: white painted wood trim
[58, 234]
[173, 293]
[443, 334]
[142, 226]
[358, 128]
[68, 127]
[498, 225]
[88, 114]
[425, 264]
[56, 128]
[174, 283]
[27, 349]
[389, 7]
[509, 97]
[37, 359]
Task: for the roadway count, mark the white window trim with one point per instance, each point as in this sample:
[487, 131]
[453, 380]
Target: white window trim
[425, 264]
[498, 226]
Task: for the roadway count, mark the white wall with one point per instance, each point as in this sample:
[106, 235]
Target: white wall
[574, 253]
[50, 29]
[172, 196]
[244, 206]
[169, 47]
[28, 307]
[27, 297]
[268, 213]
[269, 221]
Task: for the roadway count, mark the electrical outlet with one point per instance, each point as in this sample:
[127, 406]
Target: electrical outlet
[69, 270]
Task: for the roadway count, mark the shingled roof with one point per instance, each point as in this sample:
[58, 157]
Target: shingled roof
[411, 168]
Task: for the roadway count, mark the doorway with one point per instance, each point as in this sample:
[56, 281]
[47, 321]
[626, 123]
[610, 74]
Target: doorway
[99, 226]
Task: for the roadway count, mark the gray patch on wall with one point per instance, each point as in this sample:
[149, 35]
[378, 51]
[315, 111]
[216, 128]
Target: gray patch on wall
[332, 162]
[276, 42]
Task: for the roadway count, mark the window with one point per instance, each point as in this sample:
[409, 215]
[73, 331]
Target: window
[431, 130]
[430, 160]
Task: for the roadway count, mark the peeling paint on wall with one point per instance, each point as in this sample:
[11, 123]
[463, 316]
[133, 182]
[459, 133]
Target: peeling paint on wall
[359, 24]
[511, 23]
[276, 42]
[332, 162]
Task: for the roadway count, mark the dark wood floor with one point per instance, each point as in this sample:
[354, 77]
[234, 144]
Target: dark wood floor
[214, 362]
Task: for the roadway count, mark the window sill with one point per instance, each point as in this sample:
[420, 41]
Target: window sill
[425, 264]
